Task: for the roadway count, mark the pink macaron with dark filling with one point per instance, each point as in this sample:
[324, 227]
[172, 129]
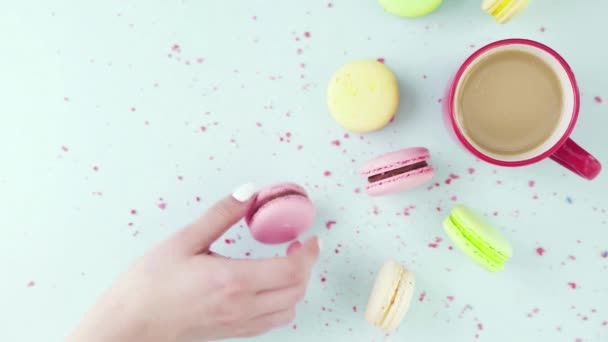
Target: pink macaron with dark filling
[280, 213]
[397, 171]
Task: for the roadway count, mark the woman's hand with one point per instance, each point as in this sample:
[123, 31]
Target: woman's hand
[180, 291]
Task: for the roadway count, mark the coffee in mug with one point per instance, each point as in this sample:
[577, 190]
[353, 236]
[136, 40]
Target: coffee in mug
[510, 102]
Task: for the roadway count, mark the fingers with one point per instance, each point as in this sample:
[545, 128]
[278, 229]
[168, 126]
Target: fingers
[198, 236]
[265, 323]
[277, 273]
[279, 300]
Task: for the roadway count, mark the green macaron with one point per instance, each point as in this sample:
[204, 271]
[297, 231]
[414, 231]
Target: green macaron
[410, 8]
[477, 238]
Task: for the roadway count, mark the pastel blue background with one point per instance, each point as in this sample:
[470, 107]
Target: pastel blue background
[106, 57]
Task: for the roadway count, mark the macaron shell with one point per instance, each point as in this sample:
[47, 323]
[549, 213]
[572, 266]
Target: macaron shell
[504, 10]
[282, 219]
[483, 230]
[400, 183]
[410, 8]
[403, 300]
[394, 160]
[469, 249]
[390, 297]
[363, 96]
[272, 191]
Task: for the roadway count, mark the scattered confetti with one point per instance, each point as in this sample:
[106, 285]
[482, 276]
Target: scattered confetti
[422, 296]
[572, 286]
[31, 283]
[598, 99]
[329, 224]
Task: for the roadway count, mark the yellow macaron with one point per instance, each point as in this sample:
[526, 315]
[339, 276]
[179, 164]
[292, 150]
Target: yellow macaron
[504, 10]
[391, 296]
[363, 96]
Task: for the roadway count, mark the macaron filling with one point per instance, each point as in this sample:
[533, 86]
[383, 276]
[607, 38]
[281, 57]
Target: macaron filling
[395, 172]
[260, 203]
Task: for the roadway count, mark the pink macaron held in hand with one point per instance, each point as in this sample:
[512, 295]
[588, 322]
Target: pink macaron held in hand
[280, 213]
[397, 171]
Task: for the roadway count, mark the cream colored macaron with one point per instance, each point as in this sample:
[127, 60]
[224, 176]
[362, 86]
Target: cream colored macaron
[391, 296]
[363, 96]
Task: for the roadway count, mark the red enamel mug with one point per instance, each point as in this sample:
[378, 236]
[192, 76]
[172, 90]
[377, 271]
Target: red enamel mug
[559, 146]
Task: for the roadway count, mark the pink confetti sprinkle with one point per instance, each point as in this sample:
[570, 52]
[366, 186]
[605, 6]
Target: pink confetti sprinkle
[381, 60]
[200, 60]
[133, 109]
[203, 129]
[357, 190]
[605, 254]
[422, 296]
[448, 181]
[572, 257]
[299, 51]
[605, 323]
[133, 212]
[64, 149]
[572, 285]
[254, 18]
[294, 327]
[438, 209]
[162, 205]
[354, 308]
[535, 197]
[329, 224]
[540, 251]
[335, 142]
[31, 283]
[598, 99]
[95, 168]
[176, 48]
[323, 279]
[376, 210]
[228, 241]
[330, 5]
[479, 326]
[450, 298]
[307, 34]
[579, 340]
[180, 178]
[326, 173]
[337, 251]
[542, 29]
[300, 147]
[471, 170]
[454, 198]
[531, 183]
[130, 224]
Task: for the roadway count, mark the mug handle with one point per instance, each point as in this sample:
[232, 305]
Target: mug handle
[573, 157]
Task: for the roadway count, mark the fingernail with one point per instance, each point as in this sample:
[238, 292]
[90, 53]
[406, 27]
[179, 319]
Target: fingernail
[244, 192]
[320, 243]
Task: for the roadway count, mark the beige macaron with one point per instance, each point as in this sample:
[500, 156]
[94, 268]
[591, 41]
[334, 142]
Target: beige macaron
[391, 296]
